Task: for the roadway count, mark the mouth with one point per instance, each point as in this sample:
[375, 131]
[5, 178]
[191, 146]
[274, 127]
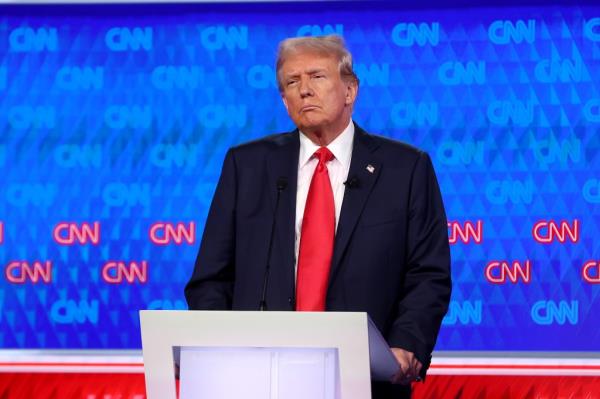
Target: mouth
[307, 108]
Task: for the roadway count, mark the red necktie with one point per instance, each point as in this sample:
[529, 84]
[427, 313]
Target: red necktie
[316, 239]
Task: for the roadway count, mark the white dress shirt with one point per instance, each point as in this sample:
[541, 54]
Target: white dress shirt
[338, 168]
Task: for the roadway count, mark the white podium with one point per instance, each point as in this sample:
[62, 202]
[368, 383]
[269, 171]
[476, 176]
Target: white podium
[262, 355]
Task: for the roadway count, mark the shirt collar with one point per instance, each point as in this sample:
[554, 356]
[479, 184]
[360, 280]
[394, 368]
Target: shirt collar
[340, 147]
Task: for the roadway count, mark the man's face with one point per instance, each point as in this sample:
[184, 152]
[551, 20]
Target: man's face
[316, 97]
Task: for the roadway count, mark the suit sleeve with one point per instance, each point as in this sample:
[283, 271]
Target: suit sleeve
[427, 283]
[211, 284]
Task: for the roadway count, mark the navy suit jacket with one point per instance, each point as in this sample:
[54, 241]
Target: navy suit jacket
[391, 254]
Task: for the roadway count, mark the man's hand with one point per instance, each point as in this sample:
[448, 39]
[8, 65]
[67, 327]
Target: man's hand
[410, 367]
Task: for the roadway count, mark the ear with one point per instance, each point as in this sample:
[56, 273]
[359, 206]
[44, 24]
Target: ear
[351, 92]
[285, 102]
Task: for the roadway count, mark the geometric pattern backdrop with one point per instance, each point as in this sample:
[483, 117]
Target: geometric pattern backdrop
[114, 121]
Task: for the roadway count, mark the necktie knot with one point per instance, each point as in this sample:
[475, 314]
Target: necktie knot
[323, 155]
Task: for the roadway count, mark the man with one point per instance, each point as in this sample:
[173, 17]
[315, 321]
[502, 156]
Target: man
[328, 217]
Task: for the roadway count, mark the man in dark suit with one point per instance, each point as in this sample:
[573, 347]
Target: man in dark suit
[357, 221]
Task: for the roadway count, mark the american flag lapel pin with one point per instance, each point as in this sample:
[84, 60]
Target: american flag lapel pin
[370, 168]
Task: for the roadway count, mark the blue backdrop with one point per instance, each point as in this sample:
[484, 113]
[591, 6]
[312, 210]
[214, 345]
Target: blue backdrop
[114, 121]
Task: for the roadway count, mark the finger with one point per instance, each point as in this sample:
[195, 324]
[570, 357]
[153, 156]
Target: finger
[400, 378]
[404, 378]
[405, 368]
[415, 366]
[419, 368]
[405, 381]
[414, 370]
[396, 378]
[413, 362]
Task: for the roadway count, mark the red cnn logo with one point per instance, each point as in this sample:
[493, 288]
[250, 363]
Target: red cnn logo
[18, 272]
[497, 272]
[587, 270]
[546, 232]
[466, 233]
[71, 233]
[114, 272]
[166, 233]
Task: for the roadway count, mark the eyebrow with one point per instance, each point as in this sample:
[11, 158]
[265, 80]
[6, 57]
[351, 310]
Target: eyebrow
[309, 72]
[315, 70]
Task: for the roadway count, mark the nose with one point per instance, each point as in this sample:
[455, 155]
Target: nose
[305, 88]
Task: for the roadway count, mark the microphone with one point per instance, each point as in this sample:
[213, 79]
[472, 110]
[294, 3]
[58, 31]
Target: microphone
[280, 184]
[352, 182]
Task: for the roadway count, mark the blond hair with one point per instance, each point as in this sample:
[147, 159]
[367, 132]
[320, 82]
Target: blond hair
[328, 45]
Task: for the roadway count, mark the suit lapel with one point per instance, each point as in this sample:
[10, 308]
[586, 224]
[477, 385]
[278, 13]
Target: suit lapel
[364, 169]
[282, 161]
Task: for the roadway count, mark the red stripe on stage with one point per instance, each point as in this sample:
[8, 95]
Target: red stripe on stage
[517, 366]
[70, 364]
[494, 386]
[72, 385]
[131, 386]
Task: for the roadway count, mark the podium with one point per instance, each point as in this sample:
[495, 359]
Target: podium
[263, 355]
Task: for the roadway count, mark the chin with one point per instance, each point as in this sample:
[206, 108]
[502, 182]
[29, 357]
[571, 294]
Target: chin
[313, 129]
[312, 124]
